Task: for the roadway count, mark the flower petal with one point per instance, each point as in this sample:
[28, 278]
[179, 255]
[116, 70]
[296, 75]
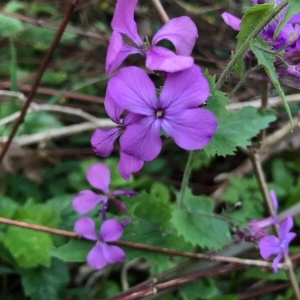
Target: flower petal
[133, 90]
[185, 89]
[86, 227]
[231, 21]
[102, 140]
[276, 261]
[161, 59]
[113, 254]
[274, 201]
[127, 193]
[98, 176]
[113, 110]
[290, 236]
[269, 245]
[96, 258]
[117, 52]
[85, 201]
[142, 139]
[123, 20]
[127, 165]
[181, 32]
[191, 129]
[111, 230]
[285, 227]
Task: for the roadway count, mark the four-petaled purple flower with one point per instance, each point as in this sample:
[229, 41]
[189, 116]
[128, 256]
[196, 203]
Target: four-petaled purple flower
[272, 245]
[176, 111]
[102, 253]
[98, 176]
[181, 32]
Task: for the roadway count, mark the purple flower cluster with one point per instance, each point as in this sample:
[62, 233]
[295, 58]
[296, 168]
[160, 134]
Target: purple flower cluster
[140, 111]
[98, 176]
[288, 40]
[270, 244]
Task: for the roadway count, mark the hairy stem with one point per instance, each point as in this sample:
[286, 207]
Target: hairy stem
[71, 234]
[245, 45]
[38, 77]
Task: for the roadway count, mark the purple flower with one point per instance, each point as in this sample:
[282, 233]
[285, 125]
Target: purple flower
[257, 226]
[272, 245]
[231, 20]
[267, 33]
[98, 176]
[101, 254]
[103, 139]
[181, 32]
[176, 111]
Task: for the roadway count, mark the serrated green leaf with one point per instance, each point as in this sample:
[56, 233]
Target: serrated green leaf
[267, 61]
[38, 214]
[235, 129]
[292, 9]
[29, 248]
[161, 191]
[198, 224]
[45, 283]
[74, 251]
[251, 19]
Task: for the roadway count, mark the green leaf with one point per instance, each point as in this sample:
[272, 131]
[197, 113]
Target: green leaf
[9, 26]
[198, 224]
[203, 289]
[150, 224]
[14, 6]
[29, 248]
[63, 205]
[45, 283]
[38, 214]
[74, 251]
[7, 207]
[235, 129]
[267, 61]
[251, 19]
[255, 274]
[161, 191]
[244, 199]
[292, 9]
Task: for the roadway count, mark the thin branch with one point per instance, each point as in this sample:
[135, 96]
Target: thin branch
[70, 234]
[160, 10]
[155, 287]
[38, 77]
[59, 132]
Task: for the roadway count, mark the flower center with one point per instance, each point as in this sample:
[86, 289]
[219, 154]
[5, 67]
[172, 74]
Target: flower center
[159, 113]
[146, 44]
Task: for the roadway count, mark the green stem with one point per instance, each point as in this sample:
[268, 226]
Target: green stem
[185, 179]
[245, 45]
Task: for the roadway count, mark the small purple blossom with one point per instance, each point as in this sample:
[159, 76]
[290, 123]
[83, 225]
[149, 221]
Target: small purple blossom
[176, 111]
[98, 176]
[181, 32]
[102, 140]
[272, 245]
[102, 253]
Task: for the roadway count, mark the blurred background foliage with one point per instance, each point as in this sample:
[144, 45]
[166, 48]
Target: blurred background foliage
[40, 175]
